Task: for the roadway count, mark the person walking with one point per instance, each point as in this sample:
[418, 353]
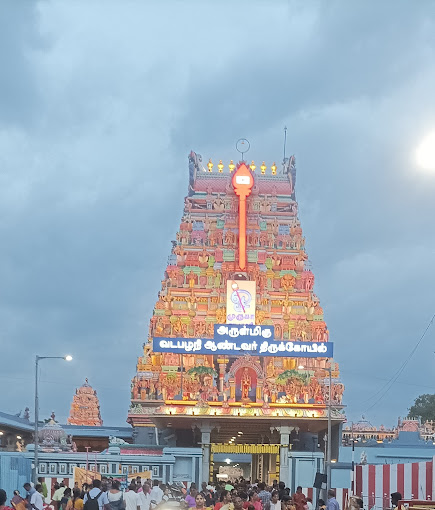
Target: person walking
[264, 496]
[332, 503]
[36, 501]
[58, 495]
[96, 496]
[299, 499]
[225, 498]
[65, 498]
[207, 494]
[131, 498]
[191, 498]
[275, 503]
[44, 487]
[30, 490]
[254, 500]
[200, 503]
[3, 498]
[145, 497]
[76, 502]
[115, 496]
[17, 502]
[156, 493]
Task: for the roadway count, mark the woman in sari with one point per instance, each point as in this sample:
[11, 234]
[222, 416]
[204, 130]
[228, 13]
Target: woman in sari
[76, 502]
[17, 502]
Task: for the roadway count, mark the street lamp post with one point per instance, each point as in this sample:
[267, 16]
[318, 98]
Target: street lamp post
[328, 451]
[36, 460]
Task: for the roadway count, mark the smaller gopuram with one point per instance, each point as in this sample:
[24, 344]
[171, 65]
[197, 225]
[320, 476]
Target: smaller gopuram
[85, 407]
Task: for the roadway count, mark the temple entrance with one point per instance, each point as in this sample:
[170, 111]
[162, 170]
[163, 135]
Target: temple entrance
[252, 461]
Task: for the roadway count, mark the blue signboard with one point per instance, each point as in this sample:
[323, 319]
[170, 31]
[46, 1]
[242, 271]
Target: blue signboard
[243, 344]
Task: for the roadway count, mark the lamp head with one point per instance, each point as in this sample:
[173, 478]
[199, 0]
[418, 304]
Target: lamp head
[68, 357]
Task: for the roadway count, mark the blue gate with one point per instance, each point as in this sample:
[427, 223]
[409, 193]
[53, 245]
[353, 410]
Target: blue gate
[15, 470]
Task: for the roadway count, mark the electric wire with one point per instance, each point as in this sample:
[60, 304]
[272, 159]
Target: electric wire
[397, 374]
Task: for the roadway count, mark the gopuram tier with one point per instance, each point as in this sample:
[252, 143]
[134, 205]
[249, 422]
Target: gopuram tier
[237, 344]
[85, 407]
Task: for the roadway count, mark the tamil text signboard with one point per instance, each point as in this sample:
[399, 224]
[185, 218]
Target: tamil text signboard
[236, 346]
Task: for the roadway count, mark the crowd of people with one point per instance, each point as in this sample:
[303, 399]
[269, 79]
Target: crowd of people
[107, 494]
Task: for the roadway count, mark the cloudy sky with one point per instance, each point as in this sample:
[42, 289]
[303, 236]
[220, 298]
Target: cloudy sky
[100, 104]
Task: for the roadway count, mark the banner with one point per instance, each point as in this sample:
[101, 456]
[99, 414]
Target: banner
[241, 298]
[244, 448]
[82, 476]
[143, 474]
[237, 347]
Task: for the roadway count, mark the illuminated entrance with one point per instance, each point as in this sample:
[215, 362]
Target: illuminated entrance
[262, 462]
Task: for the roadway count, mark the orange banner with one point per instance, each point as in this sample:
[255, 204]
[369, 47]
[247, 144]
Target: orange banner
[82, 476]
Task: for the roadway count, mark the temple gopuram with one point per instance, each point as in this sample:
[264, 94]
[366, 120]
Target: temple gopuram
[238, 358]
[85, 407]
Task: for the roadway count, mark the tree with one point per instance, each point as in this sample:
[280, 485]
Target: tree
[423, 408]
[202, 372]
[289, 375]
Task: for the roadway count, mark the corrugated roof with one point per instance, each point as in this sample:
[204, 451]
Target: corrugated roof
[9, 420]
[87, 431]
[14, 421]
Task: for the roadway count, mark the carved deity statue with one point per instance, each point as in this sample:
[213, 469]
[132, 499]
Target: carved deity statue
[245, 384]
[259, 317]
[276, 260]
[177, 326]
[270, 370]
[192, 279]
[203, 258]
[221, 314]
[288, 281]
[266, 393]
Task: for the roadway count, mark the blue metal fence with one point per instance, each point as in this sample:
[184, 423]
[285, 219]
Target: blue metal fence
[15, 470]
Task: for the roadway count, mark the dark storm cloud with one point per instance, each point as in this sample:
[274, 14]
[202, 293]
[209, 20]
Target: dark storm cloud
[19, 41]
[100, 110]
[349, 51]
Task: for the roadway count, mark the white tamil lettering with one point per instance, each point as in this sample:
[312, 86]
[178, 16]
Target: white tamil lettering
[289, 347]
[210, 345]
[266, 333]
[263, 347]
[222, 330]
[233, 332]
[243, 331]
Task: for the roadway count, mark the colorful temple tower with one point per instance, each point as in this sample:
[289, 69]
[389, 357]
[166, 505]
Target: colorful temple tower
[238, 357]
[85, 407]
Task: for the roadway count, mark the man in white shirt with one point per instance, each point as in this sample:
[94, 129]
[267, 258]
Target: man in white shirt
[36, 501]
[103, 500]
[145, 497]
[156, 492]
[131, 498]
